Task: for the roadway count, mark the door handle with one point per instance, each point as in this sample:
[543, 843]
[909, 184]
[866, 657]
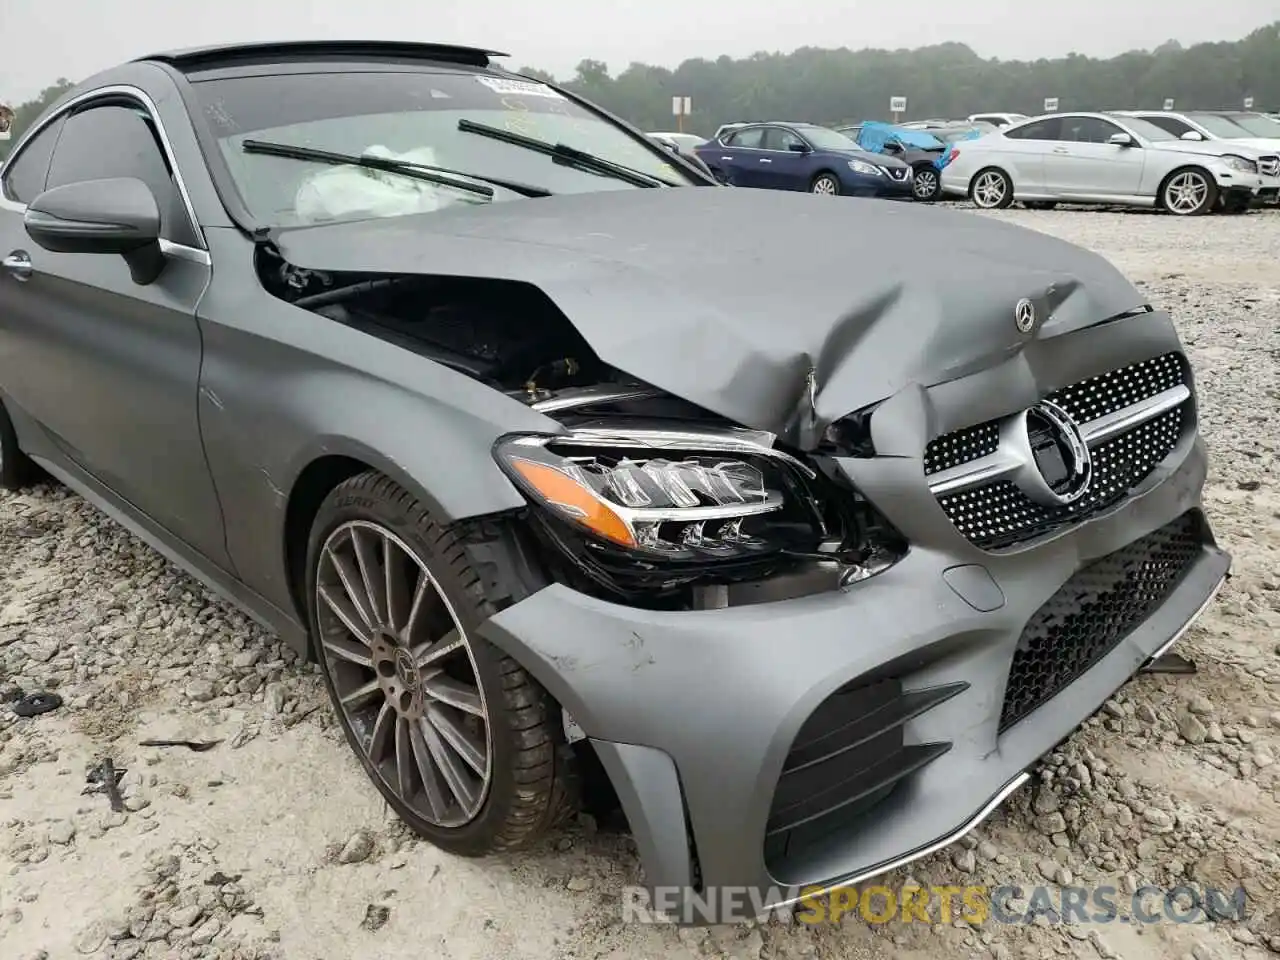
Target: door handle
[18, 265]
[1060, 150]
[765, 160]
[726, 158]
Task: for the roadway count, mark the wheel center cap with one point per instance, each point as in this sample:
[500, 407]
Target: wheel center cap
[406, 670]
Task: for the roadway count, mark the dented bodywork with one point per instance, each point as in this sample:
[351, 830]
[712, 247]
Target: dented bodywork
[881, 528]
[708, 295]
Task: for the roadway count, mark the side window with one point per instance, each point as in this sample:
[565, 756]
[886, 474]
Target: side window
[119, 141]
[25, 179]
[752, 137]
[1046, 129]
[1087, 130]
[776, 138]
[1170, 125]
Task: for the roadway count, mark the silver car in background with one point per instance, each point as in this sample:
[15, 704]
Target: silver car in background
[1101, 158]
[1224, 126]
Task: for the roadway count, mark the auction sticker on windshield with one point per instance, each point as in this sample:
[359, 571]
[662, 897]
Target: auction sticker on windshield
[519, 88]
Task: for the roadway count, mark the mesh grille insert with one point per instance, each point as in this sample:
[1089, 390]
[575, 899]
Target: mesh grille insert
[1093, 611]
[997, 514]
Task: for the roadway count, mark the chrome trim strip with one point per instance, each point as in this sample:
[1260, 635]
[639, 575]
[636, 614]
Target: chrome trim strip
[1104, 428]
[1004, 462]
[1208, 601]
[752, 442]
[589, 396]
[934, 847]
[180, 251]
[113, 90]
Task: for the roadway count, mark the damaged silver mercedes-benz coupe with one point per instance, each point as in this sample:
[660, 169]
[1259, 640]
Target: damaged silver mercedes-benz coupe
[574, 469]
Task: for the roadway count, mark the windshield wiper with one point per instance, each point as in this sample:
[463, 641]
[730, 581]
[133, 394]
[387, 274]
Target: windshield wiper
[563, 153]
[420, 171]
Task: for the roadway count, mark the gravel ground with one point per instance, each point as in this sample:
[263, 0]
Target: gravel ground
[271, 844]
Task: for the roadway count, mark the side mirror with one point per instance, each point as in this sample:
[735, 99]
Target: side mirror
[798, 148]
[1120, 140]
[117, 216]
[1192, 135]
[892, 146]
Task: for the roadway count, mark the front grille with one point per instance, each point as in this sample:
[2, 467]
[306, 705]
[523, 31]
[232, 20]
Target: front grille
[996, 513]
[847, 757]
[1269, 166]
[1093, 611]
[897, 173]
[999, 514]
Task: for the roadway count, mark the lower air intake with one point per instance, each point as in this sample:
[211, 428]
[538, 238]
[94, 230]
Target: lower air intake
[848, 756]
[1093, 611]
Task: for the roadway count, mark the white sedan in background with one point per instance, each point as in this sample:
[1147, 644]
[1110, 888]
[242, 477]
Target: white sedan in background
[1101, 158]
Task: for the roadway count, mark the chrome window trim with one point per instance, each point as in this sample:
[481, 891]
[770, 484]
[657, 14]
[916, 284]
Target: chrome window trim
[144, 100]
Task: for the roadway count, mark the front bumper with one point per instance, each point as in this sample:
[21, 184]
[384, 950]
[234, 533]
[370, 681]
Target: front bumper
[695, 714]
[883, 187]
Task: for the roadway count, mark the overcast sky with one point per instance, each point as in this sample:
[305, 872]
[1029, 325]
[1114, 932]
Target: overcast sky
[45, 39]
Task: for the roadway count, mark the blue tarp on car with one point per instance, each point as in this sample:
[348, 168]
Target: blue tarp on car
[874, 134]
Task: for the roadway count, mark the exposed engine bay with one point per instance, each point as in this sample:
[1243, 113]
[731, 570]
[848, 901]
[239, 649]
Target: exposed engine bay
[766, 524]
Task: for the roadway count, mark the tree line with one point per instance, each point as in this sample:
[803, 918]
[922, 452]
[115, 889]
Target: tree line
[947, 80]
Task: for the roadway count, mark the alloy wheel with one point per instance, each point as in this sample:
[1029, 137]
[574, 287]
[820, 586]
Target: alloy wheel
[403, 673]
[826, 186]
[1186, 192]
[925, 184]
[989, 189]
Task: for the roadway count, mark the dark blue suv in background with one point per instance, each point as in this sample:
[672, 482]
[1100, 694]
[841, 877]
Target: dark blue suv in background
[803, 156]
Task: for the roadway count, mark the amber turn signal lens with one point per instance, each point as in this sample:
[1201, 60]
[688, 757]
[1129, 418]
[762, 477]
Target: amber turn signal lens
[571, 498]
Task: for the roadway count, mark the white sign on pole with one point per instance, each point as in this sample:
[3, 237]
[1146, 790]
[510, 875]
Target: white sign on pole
[1050, 104]
[676, 104]
[688, 106]
[1168, 104]
[1248, 103]
[897, 104]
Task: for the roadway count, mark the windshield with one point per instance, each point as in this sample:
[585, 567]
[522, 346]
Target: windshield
[824, 139]
[1219, 126]
[1145, 129]
[1257, 125]
[412, 116]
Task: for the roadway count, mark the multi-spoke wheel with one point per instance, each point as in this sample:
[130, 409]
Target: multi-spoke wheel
[1189, 193]
[439, 718]
[826, 185]
[991, 189]
[926, 187]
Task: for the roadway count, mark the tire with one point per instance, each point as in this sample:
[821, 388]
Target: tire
[827, 184]
[1188, 192]
[510, 763]
[991, 189]
[17, 470]
[1039, 204]
[927, 185]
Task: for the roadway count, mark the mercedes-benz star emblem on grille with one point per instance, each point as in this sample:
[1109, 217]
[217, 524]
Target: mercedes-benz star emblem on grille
[1024, 315]
[1056, 466]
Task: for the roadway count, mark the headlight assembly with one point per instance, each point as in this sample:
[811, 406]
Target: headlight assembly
[686, 504]
[646, 513]
[864, 168]
[1240, 163]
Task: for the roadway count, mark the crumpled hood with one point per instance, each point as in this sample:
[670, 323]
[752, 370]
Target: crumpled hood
[731, 298]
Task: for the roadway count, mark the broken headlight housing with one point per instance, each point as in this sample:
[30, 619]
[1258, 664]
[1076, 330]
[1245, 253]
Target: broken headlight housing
[646, 510]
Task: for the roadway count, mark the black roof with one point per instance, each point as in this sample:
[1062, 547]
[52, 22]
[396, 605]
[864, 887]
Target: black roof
[232, 54]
